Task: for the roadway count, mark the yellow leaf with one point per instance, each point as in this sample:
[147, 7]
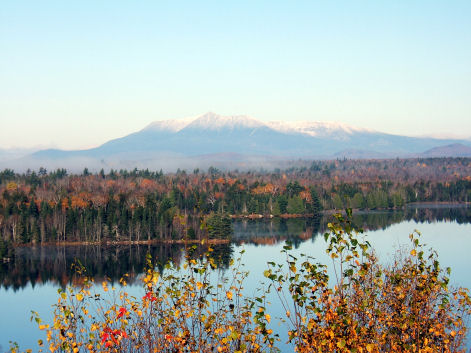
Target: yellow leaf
[229, 295]
[413, 252]
[369, 347]
[79, 297]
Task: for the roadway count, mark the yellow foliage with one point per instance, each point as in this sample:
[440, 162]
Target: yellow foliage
[370, 308]
[12, 186]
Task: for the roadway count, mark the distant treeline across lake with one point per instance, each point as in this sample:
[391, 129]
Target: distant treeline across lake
[44, 207]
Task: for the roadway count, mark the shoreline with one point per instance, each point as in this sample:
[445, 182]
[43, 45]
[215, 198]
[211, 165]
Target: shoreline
[253, 216]
[127, 242]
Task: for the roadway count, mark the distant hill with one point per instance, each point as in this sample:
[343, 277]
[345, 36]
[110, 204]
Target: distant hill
[242, 141]
[453, 150]
[15, 153]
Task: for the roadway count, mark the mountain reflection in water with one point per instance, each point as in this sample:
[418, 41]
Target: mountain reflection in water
[38, 265]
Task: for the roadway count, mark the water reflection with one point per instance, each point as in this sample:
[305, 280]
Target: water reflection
[420, 214]
[53, 264]
[297, 230]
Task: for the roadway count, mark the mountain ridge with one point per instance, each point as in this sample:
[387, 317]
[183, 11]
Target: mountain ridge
[213, 136]
[211, 120]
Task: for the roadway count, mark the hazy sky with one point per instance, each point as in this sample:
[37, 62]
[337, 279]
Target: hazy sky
[74, 74]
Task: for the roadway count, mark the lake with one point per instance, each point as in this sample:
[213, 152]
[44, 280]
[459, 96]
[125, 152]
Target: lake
[30, 281]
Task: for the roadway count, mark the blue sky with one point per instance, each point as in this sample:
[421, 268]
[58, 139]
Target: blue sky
[74, 74]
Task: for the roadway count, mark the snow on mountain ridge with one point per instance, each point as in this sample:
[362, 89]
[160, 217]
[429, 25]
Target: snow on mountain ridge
[174, 125]
[209, 121]
[212, 121]
[315, 128]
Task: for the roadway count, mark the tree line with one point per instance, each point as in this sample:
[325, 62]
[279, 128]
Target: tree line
[58, 206]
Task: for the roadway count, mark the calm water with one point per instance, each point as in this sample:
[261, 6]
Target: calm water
[31, 280]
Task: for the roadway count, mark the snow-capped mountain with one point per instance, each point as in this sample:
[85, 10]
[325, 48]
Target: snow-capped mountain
[334, 130]
[212, 121]
[174, 125]
[213, 134]
[208, 121]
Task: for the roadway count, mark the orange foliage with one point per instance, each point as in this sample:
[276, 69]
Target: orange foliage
[148, 184]
[78, 202]
[305, 195]
[266, 189]
[231, 181]
[65, 203]
[402, 307]
[220, 181]
[219, 195]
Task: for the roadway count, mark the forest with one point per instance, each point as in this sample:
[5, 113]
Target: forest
[141, 205]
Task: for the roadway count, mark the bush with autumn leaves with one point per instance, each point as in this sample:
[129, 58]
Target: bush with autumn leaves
[190, 308]
[404, 306]
[365, 306]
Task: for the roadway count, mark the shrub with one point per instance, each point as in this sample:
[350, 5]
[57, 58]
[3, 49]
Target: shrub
[182, 310]
[405, 306]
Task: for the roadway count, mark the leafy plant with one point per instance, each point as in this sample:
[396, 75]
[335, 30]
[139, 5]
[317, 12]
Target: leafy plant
[182, 310]
[406, 306]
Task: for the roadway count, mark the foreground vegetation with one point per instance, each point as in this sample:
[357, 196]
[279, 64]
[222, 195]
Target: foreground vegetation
[365, 306]
[140, 205]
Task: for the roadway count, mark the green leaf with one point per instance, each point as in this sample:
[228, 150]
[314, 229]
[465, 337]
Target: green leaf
[341, 343]
[326, 236]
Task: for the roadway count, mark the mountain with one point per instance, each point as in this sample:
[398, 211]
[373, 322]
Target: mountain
[242, 141]
[336, 131]
[453, 150]
[15, 153]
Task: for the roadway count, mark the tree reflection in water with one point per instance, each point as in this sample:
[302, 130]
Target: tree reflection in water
[38, 265]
